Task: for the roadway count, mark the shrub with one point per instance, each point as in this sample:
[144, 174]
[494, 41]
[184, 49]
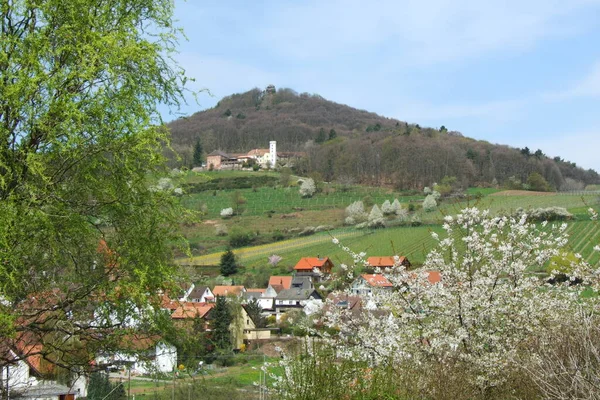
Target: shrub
[221, 230]
[387, 208]
[226, 212]
[355, 213]
[429, 204]
[376, 219]
[547, 214]
[239, 238]
[307, 231]
[402, 214]
[396, 206]
[307, 188]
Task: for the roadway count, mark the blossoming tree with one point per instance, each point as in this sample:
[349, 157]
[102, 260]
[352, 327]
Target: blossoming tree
[488, 306]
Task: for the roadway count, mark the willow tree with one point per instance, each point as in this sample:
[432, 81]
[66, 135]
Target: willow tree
[85, 240]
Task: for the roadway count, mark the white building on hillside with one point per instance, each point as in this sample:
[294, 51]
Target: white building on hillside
[273, 153]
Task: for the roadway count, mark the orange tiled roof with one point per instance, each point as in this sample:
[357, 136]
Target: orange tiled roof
[227, 290]
[256, 290]
[309, 263]
[284, 281]
[377, 280]
[434, 277]
[384, 261]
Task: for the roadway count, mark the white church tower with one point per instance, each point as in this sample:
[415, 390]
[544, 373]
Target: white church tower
[273, 153]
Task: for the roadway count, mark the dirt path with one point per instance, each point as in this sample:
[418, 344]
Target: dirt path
[266, 250]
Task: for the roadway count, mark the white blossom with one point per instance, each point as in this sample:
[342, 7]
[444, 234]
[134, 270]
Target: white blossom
[227, 212]
[307, 188]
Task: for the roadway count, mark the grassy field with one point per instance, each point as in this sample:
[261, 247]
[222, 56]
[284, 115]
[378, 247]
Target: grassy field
[413, 242]
[237, 381]
[271, 211]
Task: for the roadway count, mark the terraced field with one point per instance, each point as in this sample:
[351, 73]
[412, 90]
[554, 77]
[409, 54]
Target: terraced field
[286, 200]
[583, 236]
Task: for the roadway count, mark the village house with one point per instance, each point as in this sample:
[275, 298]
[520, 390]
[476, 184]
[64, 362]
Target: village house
[142, 355]
[220, 160]
[387, 262]
[23, 378]
[234, 291]
[201, 294]
[278, 283]
[367, 284]
[315, 267]
[264, 297]
[243, 329]
[301, 295]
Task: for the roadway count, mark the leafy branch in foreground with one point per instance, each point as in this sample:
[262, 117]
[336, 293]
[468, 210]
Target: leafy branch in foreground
[84, 242]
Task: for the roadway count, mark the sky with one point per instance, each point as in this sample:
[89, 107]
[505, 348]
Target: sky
[521, 73]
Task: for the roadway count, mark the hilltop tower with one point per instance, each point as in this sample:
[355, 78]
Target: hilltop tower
[273, 153]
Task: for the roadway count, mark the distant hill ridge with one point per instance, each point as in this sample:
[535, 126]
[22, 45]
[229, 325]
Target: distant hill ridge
[347, 144]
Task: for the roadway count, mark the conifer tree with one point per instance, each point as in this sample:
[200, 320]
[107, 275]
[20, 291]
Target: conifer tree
[198, 150]
[221, 319]
[228, 263]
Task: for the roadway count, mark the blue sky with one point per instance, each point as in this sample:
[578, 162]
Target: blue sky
[522, 73]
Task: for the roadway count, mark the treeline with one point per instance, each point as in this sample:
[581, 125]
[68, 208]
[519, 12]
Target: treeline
[350, 145]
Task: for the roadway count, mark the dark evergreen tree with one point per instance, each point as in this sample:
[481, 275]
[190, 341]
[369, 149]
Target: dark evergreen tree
[332, 134]
[221, 319]
[99, 386]
[197, 161]
[254, 311]
[228, 263]
[321, 137]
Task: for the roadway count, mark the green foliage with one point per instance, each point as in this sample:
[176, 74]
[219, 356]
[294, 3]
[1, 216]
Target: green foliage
[538, 183]
[332, 134]
[228, 263]
[80, 135]
[238, 202]
[220, 320]
[239, 238]
[246, 181]
[254, 311]
[99, 388]
[285, 176]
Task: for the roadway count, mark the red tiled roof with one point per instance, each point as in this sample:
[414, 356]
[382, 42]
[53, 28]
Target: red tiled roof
[284, 281]
[227, 290]
[377, 280]
[191, 309]
[258, 152]
[309, 263]
[432, 276]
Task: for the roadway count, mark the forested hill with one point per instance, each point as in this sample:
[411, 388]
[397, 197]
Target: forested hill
[343, 143]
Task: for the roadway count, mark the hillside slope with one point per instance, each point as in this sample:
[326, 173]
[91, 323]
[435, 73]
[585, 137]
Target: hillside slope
[346, 144]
